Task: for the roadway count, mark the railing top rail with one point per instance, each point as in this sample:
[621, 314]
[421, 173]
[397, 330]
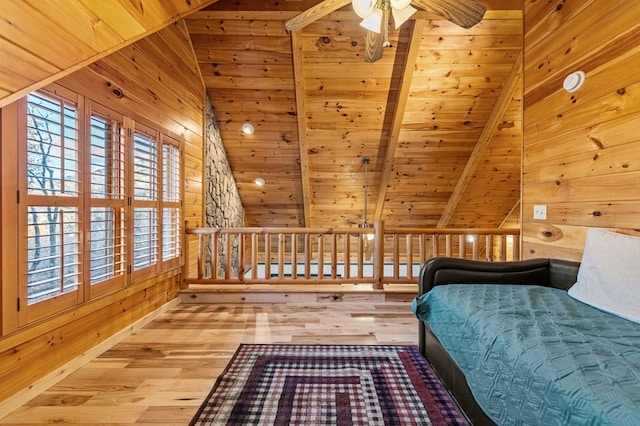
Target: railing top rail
[445, 231]
[276, 230]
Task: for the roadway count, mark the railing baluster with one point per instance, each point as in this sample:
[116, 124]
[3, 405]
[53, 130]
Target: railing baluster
[396, 256]
[347, 256]
[476, 248]
[281, 243]
[489, 248]
[267, 256]
[214, 255]
[409, 261]
[241, 257]
[360, 256]
[187, 257]
[378, 255]
[334, 258]
[294, 256]
[227, 256]
[307, 256]
[254, 256]
[320, 257]
[200, 263]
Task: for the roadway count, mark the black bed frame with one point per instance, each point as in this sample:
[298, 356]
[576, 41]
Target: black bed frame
[444, 270]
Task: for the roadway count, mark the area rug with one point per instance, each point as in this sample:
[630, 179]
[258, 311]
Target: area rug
[328, 385]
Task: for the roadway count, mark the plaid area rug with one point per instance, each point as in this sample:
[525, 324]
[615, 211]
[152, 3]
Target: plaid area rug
[328, 385]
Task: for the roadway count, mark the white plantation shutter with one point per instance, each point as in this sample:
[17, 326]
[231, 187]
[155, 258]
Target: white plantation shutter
[53, 252]
[171, 175]
[52, 146]
[107, 260]
[145, 200]
[50, 207]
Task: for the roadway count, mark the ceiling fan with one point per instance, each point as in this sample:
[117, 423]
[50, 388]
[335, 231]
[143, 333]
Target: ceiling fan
[375, 14]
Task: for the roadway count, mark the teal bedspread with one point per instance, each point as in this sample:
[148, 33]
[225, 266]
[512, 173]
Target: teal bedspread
[535, 356]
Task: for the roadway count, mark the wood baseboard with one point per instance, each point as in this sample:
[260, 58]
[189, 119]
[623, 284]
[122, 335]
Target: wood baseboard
[25, 395]
[295, 294]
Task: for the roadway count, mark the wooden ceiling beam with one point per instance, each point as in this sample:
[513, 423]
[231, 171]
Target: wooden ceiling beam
[396, 123]
[255, 15]
[298, 78]
[314, 13]
[501, 105]
[511, 212]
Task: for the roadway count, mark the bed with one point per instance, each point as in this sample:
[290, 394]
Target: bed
[514, 347]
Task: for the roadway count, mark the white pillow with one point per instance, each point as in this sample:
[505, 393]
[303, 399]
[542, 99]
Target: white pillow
[609, 275]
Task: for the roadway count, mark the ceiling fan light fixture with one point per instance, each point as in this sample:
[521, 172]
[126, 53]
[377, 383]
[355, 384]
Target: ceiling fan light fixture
[363, 8]
[400, 16]
[373, 22]
[399, 4]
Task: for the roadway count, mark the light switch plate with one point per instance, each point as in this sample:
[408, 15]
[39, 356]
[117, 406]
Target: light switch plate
[540, 211]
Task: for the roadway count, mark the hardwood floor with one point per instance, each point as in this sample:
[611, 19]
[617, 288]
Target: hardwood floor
[162, 373]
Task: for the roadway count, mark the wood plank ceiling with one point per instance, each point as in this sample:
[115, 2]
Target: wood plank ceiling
[42, 41]
[439, 116]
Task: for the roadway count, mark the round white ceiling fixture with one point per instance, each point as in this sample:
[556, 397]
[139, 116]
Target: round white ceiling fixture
[574, 81]
[247, 129]
[259, 181]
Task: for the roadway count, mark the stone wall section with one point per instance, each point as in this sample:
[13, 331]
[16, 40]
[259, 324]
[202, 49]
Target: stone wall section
[223, 206]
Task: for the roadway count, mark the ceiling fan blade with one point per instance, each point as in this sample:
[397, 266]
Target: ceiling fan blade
[376, 41]
[465, 13]
[314, 13]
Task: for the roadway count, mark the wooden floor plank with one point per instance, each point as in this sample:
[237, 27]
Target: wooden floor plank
[162, 373]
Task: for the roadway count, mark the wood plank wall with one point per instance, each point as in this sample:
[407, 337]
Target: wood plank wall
[161, 83]
[581, 149]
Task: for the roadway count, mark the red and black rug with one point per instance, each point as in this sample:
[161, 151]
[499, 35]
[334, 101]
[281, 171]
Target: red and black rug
[328, 385]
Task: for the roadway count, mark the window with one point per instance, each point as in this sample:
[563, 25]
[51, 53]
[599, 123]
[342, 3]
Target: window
[98, 205]
[170, 201]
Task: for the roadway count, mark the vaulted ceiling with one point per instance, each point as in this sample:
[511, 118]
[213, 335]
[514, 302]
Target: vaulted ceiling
[439, 116]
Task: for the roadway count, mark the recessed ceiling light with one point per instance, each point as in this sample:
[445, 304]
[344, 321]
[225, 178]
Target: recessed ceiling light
[247, 129]
[259, 181]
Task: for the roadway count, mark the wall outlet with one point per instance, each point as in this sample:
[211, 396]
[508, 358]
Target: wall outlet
[540, 211]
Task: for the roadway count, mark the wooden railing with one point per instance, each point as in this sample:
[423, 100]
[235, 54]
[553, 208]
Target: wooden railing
[328, 256]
